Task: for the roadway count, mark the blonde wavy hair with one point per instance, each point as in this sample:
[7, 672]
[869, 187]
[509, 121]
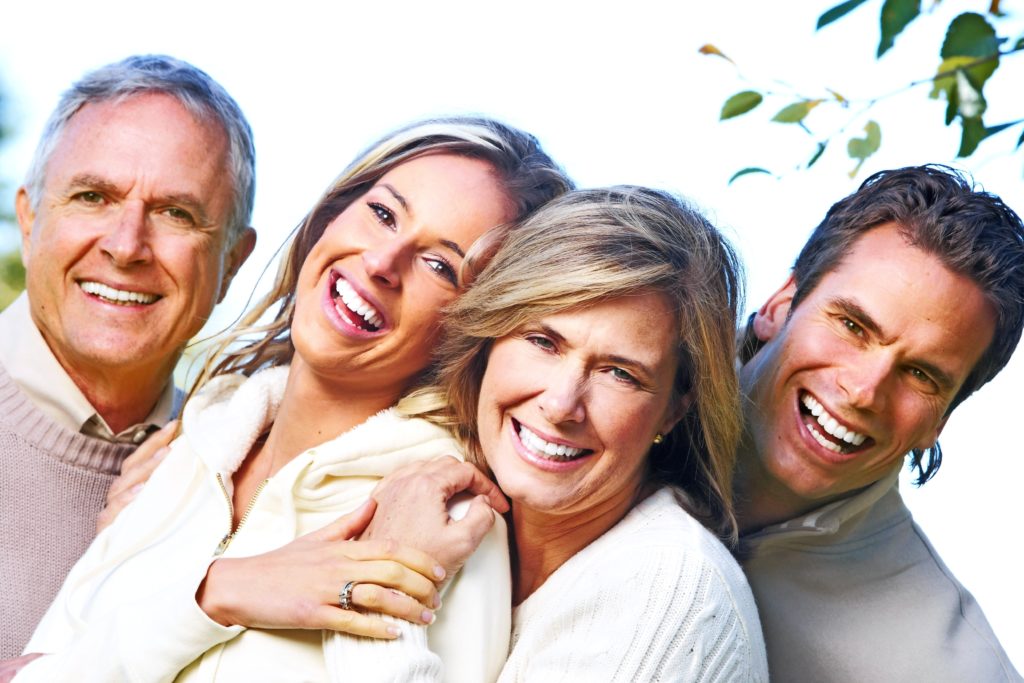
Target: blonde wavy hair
[527, 174]
[594, 245]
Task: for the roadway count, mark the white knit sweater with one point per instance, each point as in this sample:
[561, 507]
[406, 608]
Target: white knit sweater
[127, 611]
[656, 598]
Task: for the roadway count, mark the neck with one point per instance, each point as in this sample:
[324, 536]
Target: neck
[544, 542]
[122, 397]
[762, 499]
[314, 410]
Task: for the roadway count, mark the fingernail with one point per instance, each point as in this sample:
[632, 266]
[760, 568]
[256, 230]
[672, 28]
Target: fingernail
[135, 489]
[162, 453]
[393, 631]
[439, 571]
[427, 617]
[437, 601]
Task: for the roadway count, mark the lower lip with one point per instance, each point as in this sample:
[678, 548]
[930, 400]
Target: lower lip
[338, 314]
[543, 463]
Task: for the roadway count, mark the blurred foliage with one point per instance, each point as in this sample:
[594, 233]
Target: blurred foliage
[12, 278]
[969, 57]
[12, 273]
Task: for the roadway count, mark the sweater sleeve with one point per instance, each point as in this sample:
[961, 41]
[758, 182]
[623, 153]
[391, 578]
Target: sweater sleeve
[467, 643]
[149, 638]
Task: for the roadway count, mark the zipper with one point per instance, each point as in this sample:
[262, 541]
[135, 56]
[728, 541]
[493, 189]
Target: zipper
[226, 541]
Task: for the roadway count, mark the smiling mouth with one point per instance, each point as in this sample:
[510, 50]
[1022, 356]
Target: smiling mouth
[121, 297]
[355, 308]
[828, 431]
[545, 449]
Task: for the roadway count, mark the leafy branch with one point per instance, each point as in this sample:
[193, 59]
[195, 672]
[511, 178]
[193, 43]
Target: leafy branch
[969, 56]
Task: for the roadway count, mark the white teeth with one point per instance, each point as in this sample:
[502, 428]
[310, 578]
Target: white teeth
[357, 304]
[541, 447]
[119, 296]
[830, 425]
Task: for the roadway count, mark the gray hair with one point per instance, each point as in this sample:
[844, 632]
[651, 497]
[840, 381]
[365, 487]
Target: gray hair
[199, 94]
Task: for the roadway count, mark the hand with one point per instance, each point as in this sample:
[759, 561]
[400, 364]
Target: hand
[297, 586]
[135, 472]
[10, 667]
[413, 509]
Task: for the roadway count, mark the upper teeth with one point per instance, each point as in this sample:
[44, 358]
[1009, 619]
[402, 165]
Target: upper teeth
[542, 447]
[831, 424]
[357, 304]
[119, 295]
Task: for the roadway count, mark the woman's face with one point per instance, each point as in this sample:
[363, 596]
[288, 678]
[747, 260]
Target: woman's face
[371, 290]
[570, 404]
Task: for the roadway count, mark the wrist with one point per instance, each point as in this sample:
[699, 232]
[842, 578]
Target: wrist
[211, 596]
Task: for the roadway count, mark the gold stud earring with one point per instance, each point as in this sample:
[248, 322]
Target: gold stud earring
[658, 438]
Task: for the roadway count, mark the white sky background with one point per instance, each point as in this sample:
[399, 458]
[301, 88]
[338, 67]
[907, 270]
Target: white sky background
[618, 94]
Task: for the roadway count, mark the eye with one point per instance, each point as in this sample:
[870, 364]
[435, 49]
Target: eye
[383, 214]
[623, 376]
[89, 197]
[542, 342]
[179, 214]
[921, 376]
[443, 268]
[852, 327]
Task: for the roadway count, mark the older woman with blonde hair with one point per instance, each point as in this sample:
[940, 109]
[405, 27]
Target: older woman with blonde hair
[590, 369]
[222, 568]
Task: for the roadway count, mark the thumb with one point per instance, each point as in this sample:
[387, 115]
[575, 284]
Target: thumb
[347, 526]
[478, 520]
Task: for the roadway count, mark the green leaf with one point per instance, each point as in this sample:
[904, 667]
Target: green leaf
[840, 10]
[896, 14]
[973, 134]
[970, 35]
[817, 154]
[1019, 45]
[748, 171]
[740, 103]
[795, 113]
[974, 131]
[1020, 141]
[862, 148]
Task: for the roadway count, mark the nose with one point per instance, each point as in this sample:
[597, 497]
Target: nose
[127, 242]
[865, 381]
[564, 397]
[383, 262]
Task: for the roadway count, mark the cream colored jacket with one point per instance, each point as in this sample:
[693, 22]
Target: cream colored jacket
[127, 611]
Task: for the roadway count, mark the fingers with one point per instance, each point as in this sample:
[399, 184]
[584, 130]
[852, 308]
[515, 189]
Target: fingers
[394, 574]
[114, 506]
[369, 597]
[10, 667]
[356, 623]
[453, 476]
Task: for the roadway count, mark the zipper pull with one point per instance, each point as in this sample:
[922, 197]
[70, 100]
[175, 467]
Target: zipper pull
[223, 545]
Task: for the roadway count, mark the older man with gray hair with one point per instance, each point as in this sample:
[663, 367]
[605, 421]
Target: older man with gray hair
[134, 219]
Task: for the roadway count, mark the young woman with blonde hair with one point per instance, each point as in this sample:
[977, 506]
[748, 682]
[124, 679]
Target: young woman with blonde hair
[222, 568]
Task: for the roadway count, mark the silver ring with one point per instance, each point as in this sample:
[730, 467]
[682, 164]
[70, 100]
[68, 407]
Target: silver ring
[345, 595]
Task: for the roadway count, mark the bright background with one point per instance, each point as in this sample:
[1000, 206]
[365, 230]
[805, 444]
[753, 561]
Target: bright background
[618, 94]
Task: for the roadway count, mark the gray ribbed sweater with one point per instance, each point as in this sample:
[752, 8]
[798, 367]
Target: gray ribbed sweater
[53, 483]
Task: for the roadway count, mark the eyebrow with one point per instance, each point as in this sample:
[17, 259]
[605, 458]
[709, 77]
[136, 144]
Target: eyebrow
[864, 319]
[408, 209]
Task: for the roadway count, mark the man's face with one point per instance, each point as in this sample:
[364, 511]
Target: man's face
[862, 371]
[127, 251]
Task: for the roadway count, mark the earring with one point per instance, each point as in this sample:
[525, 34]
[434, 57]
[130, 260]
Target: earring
[658, 438]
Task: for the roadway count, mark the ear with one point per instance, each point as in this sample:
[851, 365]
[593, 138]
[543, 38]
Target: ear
[938, 431]
[240, 251]
[772, 316]
[675, 413]
[26, 219]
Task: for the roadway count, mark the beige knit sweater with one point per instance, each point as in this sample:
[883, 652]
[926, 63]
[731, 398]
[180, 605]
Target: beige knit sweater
[53, 483]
